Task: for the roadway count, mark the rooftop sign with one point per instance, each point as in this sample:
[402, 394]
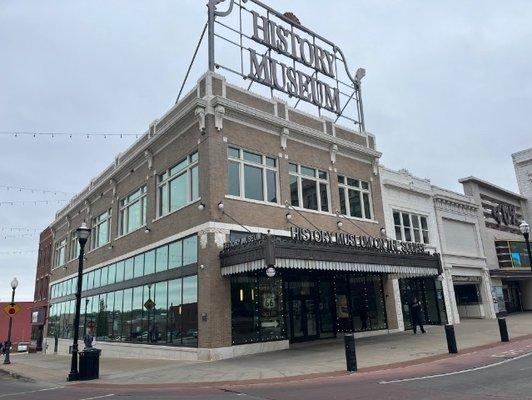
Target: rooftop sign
[273, 49]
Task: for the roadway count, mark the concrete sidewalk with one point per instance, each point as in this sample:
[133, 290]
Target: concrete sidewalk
[318, 357]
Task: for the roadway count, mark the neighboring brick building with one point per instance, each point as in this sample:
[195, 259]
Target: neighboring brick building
[21, 329]
[41, 298]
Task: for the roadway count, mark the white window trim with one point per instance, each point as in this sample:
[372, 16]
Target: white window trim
[56, 247]
[160, 184]
[95, 229]
[411, 227]
[175, 211]
[316, 179]
[361, 192]
[264, 167]
[123, 208]
[73, 241]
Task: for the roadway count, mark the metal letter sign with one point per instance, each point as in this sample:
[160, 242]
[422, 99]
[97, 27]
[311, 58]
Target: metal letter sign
[265, 46]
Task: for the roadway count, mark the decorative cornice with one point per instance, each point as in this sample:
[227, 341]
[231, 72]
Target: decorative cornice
[293, 127]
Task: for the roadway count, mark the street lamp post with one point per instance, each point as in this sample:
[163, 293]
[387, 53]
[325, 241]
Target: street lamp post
[14, 284]
[82, 233]
[525, 230]
[149, 298]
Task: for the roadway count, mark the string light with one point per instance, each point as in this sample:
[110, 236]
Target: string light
[17, 252]
[28, 202]
[20, 235]
[33, 190]
[68, 135]
[18, 229]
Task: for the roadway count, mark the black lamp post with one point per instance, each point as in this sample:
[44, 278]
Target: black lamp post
[525, 230]
[14, 284]
[82, 233]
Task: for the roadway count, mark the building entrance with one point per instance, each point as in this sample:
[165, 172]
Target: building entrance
[512, 296]
[303, 304]
[430, 293]
[319, 306]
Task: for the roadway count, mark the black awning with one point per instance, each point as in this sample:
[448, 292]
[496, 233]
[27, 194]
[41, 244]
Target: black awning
[504, 274]
[256, 252]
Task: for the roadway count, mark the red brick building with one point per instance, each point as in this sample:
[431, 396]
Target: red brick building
[21, 330]
[39, 309]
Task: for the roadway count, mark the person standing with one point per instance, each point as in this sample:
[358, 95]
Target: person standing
[417, 315]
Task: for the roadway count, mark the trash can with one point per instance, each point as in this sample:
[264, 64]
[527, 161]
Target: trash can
[89, 364]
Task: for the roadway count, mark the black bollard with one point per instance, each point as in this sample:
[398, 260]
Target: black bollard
[350, 353]
[451, 339]
[503, 329]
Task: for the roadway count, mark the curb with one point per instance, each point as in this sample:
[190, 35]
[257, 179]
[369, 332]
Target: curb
[298, 378]
[16, 375]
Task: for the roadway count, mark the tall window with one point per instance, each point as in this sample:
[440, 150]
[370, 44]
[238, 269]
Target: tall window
[100, 229]
[411, 227]
[133, 211]
[60, 253]
[252, 176]
[179, 185]
[74, 246]
[309, 188]
[355, 197]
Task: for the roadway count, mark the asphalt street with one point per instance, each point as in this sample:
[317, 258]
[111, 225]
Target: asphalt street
[489, 373]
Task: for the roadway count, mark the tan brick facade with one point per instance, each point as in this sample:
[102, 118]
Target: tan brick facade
[213, 116]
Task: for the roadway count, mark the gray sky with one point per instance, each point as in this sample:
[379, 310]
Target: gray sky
[448, 91]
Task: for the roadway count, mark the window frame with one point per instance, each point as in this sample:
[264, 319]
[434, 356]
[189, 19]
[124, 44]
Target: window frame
[96, 226]
[60, 245]
[124, 204]
[163, 182]
[411, 227]
[264, 167]
[74, 246]
[361, 191]
[299, 176]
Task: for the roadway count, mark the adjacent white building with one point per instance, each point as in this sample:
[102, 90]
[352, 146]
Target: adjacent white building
[409, 216]
[465, 266]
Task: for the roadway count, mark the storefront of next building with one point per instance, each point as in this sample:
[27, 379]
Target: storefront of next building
[318, 284]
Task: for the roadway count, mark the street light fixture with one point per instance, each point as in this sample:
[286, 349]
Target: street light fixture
[82, 233]
[525, 230]
[14, 284]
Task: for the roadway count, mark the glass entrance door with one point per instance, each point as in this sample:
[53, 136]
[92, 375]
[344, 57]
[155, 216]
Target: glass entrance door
[303, 307]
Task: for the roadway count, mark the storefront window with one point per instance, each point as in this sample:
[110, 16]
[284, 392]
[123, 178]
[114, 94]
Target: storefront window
[244, 306]
[271, 308]
[429, 292]
[367, 303]
[257, 309]
[121, 316]
[466, 294]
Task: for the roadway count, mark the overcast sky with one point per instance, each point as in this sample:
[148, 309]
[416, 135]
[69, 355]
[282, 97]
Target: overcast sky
[448, 91]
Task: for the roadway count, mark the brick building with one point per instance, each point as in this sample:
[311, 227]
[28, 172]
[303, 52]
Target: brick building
[21, 327]
[249, 224]
[39, 311]
[220, 164]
